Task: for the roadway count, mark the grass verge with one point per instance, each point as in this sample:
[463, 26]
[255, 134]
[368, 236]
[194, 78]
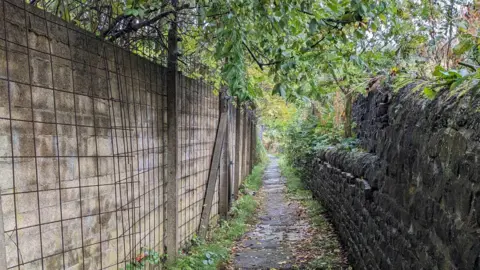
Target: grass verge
[216, 250]
[324, 247]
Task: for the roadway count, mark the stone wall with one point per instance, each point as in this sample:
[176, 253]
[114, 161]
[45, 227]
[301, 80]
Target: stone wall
[83, 133]
[411, 200]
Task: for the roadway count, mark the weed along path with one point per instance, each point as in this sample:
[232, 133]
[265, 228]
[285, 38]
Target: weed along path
[283, 237]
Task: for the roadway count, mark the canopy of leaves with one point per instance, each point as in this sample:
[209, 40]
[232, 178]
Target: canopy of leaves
[307, 47]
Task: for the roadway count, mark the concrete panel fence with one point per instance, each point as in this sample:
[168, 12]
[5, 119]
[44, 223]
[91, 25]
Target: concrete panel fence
[84, 148]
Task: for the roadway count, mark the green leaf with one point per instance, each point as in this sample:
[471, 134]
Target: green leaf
[439, 71]
[465, 45]
[429, 93]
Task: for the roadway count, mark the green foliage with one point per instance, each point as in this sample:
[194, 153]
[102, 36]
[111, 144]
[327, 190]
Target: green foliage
[309, 133]
[261, 155]
[216, 250]
[147, 256]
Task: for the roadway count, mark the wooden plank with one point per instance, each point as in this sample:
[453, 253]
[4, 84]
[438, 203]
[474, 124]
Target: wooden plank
[223, 190]
[171, 223]
[212, 176]
[238, 136]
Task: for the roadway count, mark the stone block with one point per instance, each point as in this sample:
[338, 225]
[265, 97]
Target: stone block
[65, 108]
[16, 34]
[84, 107]
[67, 140]
[22, 139]
[5, 138]
[69, 171]
[57, 32]
[3, 60]
[109, 254]
[82, 79]
[16, 3]
[45, 139]
[90, 201]
[38, 42]
[43, 105]
[18, 64]
[29, 243]
[92, 257]
[2, 15]
[107, 198]
[91, 230]
[70, 203]
[97, 61]
[20, 101]
[88, 171]
[77, 39]
[8, 208]
[6, 181]
[94, 45]
[52, 239]
[40, 69]
[48, 173]
[86, 140]
[102, 113]
[62, 74]
[104, 142]
[72, 235]
[74, 259]
[100, 85]
[79, 55]
[54, 261]
[27, 213]
[49, 206]
[25, 174]
[60, 49]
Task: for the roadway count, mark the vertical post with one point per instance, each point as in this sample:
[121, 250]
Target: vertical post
[3, 251]
[223, 191]
[254, 141]
[172, 140]
[230, 154]
[252, 144]
[244, 142]
[238, 136]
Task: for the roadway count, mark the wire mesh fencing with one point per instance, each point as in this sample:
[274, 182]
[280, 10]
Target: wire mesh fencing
[83, 143]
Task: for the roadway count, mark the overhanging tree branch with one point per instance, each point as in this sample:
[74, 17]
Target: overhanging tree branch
[133, 27]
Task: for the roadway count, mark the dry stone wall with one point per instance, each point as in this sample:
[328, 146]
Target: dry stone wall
[411, 199]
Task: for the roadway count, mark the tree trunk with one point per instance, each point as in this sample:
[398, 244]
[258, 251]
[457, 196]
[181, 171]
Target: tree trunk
[347, 127]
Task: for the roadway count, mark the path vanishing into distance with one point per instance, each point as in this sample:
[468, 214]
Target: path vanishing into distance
[281, 229]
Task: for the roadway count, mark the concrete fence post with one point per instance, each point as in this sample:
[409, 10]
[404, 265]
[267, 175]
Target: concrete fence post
[171, 241]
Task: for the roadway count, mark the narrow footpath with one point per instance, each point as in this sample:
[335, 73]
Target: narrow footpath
[269, 244]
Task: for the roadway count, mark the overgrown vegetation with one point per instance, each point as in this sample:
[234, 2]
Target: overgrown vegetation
[323, 250]
[216, 250]
[308, 49]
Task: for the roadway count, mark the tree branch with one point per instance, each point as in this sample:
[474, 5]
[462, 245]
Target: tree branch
[136, 26]
[260, 64]
[472, 66]
[332, 71]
